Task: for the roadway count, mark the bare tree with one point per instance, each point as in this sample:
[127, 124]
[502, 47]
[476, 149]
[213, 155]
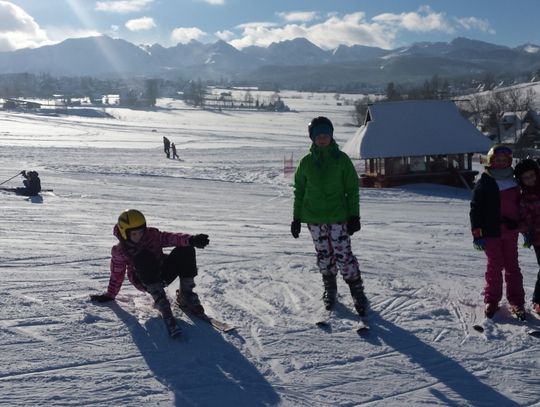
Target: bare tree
[360, 110]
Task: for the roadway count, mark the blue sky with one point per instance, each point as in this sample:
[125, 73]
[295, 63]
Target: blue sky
[327, 23]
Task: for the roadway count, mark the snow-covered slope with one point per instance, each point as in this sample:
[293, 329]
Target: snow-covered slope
[422, 276]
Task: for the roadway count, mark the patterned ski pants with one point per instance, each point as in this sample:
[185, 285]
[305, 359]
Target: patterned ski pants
[333, 246]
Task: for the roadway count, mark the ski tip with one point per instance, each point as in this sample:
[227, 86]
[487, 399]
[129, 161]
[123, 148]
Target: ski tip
[478, 328]
[175, 334]
[362, 328]
[534, 332]
[229, 329]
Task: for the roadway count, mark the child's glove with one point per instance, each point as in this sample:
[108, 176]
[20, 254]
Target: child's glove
[199, 241]
[353, 225]
[100, 298]
[296, 225]
[479, 242]
[527, 240]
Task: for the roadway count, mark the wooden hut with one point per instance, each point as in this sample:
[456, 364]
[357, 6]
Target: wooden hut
[416, 141]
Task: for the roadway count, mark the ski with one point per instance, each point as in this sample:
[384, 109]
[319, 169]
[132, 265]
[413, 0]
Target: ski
[8, 189]
[219, 325]
[323, 320]
[487, 328]
[534, 332]
[175, 331]
[216, 323]
[362, 326]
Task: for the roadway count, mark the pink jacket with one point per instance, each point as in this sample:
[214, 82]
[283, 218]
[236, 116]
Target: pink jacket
[530, 212]
[122, 255]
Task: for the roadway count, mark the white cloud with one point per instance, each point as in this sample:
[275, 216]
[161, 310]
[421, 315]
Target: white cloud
[225, 35]
[215, 2]
[354, 29]
[18, 29]
[299, 16]
[350, 29]
[473, 23]
[184, 35]
[115, 28]
[257, 24]
[122, 6]
[140, 24]
[423, 20]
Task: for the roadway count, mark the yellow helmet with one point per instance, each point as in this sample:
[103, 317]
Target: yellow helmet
[130, 219]
[499, 149]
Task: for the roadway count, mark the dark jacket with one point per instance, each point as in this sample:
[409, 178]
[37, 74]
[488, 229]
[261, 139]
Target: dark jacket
[32, 183]
[485, 210]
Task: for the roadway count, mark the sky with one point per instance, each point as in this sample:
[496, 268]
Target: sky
[327, 23]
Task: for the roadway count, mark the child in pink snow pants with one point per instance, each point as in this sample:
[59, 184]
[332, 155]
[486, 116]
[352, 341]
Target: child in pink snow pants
[495, 219]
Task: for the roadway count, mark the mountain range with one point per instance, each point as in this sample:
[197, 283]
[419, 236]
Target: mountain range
[296, 62]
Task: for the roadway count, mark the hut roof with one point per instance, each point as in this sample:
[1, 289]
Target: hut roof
[415, 128]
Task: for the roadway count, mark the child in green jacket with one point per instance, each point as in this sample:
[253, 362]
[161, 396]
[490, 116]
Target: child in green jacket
[326, 198]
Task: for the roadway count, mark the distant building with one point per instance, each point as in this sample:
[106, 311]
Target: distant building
[416, 141]
[13, 104]
[520, 130]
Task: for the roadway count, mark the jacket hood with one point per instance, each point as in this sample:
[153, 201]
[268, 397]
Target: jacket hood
[116, 232]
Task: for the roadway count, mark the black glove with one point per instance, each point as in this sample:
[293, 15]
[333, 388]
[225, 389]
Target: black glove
[353, 225]
[296, 225]
[199, 241]
[23, 173]
[100, 298]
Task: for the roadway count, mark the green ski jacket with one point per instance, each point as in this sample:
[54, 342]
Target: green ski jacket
[326, 186]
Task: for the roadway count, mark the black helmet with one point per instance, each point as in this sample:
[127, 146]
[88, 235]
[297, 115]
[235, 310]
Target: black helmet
[524, 166]
[322, 123]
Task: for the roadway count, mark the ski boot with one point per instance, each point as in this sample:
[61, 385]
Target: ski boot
[172, 326]
[519, 312]
[359, 298]
[188, 300]
[536, 307]
[330, 291]
[490, 309]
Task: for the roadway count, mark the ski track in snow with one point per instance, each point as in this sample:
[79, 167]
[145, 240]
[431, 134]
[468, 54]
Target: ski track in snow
[422, 276]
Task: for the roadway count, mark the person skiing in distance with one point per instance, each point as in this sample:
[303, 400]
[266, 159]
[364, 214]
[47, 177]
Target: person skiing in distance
[494, 217]
[527, 174]
[32, 184]
[139, 252]
[167, 146]
[326, 197]
[173, 149]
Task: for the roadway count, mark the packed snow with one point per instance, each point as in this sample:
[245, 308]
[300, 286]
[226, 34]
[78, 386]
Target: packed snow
[423, 278]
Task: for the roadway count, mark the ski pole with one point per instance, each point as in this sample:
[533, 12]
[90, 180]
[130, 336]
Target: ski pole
[10, 178]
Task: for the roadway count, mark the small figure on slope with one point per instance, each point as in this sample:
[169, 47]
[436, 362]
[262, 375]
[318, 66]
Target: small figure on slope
[32, 184]
[139, 252]
[174, 154]
[495, 217]
[326, 197]
[167, 146]
[527, 174]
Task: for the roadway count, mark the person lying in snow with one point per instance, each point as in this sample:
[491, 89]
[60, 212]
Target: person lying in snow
[326, 198]
[139, 252]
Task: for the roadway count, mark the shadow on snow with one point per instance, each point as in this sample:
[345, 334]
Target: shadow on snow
[201, 368]
[442, 368]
